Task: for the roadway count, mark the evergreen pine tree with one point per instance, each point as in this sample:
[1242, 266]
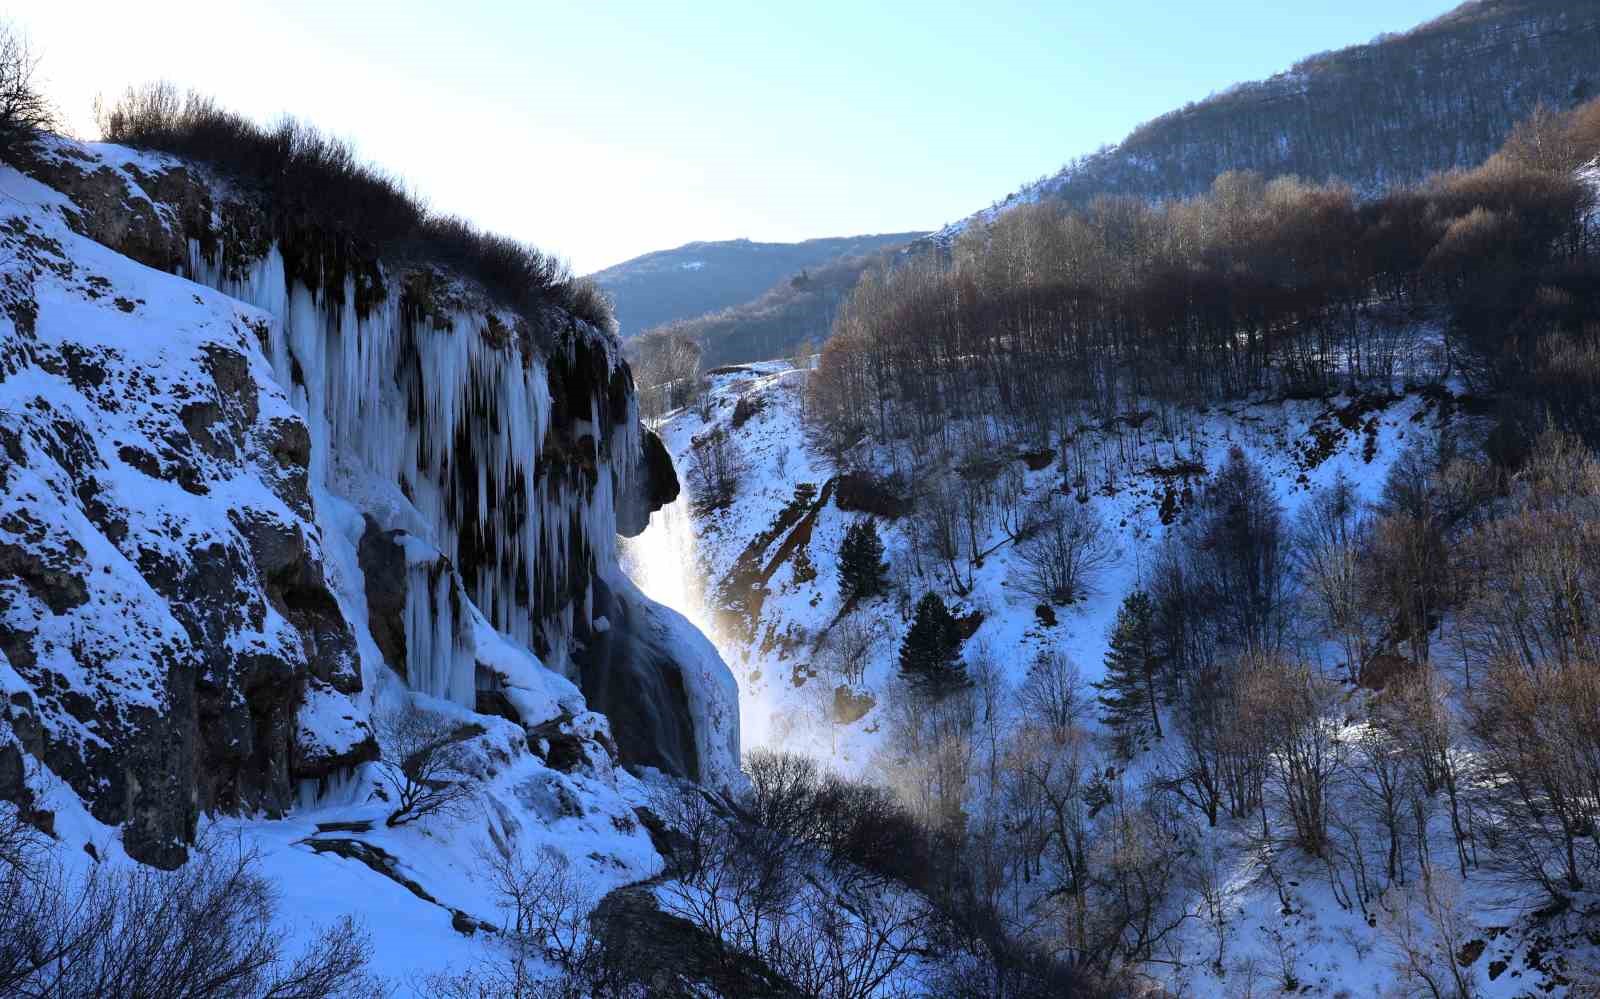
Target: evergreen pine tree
[1129, 693]
[930, 653]
[861, 565]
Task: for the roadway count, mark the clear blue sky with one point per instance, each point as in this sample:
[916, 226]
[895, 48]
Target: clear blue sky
[601, 130]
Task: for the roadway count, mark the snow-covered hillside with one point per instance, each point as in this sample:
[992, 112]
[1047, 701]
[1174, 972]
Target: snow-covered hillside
[1364, 115]
[1283, 930]
[252, 528]
[1303, 444]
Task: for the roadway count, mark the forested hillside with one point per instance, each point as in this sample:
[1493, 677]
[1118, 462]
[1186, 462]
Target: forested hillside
[1254, 286]
[1209, 582]
[699, 278]
[1442, 95]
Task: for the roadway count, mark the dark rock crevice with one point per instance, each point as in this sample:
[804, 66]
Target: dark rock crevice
[628, 676]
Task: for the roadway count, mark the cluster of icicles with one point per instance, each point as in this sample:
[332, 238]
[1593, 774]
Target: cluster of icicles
[455, 396]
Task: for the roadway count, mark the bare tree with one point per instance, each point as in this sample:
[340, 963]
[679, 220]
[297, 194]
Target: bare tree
[1329, 546]
[1052, 694]
[24, 110]
[848, 647]
[1238, 556]
[941, 528]
[1297, 711]
[666, 366]
[1425, 926]
[420, 761]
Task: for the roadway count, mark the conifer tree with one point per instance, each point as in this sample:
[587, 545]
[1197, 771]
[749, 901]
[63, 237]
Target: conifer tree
[1129, 693]
[861, 566]
[930, 653]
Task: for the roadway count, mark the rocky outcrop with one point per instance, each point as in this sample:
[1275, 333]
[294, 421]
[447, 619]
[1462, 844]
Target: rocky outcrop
[674, 958]
[655, 487]
[671, 702]
[164, 609]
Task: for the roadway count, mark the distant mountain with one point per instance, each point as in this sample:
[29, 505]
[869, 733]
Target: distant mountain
[698, 278]
[799, 307]
[1441, 95]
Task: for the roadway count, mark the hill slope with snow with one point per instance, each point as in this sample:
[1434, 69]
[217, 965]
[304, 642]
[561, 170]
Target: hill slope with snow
[761, 575]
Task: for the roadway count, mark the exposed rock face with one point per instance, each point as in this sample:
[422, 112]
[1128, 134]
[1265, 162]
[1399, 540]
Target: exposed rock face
[164, 611]
[676, 959]
[633, 680]
[383, 567]
[673, 705]
[657, 487]
[211, 498]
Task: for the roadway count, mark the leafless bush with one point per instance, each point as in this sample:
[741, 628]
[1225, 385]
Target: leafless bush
[738, 880]
[545, 901]
[834, 930]
[546, 949]
[848, 647]
[1334, 532]
[1052, 694]
[420, 761]
[1425, 926]
[849, 821]
[1064, 554]
[205, 930]
[716, 466]
[24, 111]
[1539, 749]
[667, 368]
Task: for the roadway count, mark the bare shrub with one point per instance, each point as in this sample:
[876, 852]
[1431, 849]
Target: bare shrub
[420, 762]
[309, 176]
[1052, 694]
[835, 930]
[1539, 747]
[546, 902]
[1425, 926]
[205, 931]
[848, 647]
[716, 465]
[1064, 553]
[738, 881]
[852, 822]
[1334, 532]
[1237, 558]
[666, 367]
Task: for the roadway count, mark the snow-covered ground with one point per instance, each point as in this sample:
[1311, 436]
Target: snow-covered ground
[787, 696]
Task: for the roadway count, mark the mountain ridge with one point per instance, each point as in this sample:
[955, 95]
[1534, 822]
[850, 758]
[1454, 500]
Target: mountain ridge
[707, 276]
[1441, 95]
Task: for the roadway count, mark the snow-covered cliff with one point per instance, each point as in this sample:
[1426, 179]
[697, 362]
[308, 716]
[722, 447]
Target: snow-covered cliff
[247, 486]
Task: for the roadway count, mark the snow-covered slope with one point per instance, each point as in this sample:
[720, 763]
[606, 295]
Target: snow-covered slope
[244, 520]
[1280, 921]
[1302, 444]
